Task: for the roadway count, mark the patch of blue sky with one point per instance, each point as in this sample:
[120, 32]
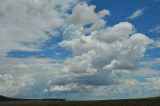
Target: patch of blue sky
[49, 49]
[56, 53]
[87, 25]
[140, 79]
[152, 53]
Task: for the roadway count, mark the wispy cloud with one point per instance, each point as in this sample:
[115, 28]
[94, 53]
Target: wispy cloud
[29, 23]
[156, 29]
[156, 0]
[136, 14]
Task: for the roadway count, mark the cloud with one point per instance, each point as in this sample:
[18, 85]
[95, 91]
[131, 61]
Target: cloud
[23, 23]
[117, 32]
[156, 0]
[18, 77]
[125, 87]
[136, 13]
[151, 63]
[103, 57]
[146, 72]
[156, 43]
[11, 85]
[155, 30]
[81, 16]
[130, 86]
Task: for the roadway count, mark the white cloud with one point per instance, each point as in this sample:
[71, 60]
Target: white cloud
[26, 22]
[82, 13]
[117, 32]
[105, 55]
[79, 65]
[81, 16]
[136, 13]
[63, 88]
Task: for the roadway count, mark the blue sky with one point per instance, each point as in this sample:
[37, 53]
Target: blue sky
[64, 48]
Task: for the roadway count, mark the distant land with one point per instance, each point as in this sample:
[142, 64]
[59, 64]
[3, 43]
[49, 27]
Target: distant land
[6, 101]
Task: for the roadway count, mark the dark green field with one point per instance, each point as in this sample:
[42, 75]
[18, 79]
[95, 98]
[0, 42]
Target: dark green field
[127, 102]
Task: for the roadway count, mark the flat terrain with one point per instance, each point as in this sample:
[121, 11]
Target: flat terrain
[128, 102]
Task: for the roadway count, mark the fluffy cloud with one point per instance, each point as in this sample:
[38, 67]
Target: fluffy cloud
[103, 57]
[81, 16]
[117, 32]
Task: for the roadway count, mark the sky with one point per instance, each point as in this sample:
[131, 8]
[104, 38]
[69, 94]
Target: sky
[80, 49]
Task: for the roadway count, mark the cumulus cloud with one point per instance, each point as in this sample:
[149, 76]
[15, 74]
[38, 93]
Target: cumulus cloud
[136, 14]
[117, 32]
[81, 16]
[103, 57]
